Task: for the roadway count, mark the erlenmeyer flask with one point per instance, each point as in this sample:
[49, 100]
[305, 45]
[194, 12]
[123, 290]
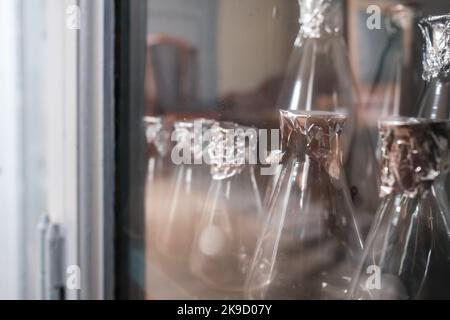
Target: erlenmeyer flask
[435, 101]
[184, 199]
[157, 133]
[319, 78]
[407, 253]
[310, 239]
[232, 214]
[394, 90]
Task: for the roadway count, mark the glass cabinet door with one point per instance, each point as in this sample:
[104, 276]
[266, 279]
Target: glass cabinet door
[140, 145]
[182, 232]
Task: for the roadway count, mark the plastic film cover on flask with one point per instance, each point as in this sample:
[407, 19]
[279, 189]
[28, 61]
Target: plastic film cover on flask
[407, 252]
[232, 215]
[435, 102]
[182, 200]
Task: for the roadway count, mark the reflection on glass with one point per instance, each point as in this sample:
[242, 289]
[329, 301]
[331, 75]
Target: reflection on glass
[157, 133]
[318, 75]
[310, 240]
[232, 214]
[319, 78]
[184, 200]
[393, 92]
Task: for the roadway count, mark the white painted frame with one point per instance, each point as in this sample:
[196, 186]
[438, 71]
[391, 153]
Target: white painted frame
[10, 154]
[61, 121]
[74, 95]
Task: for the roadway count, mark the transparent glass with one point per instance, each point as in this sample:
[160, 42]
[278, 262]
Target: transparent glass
[435, 101]
[232, 215]
[182, 204]
[319, 78]
[396, 73]
[311, 240]
[157, 132]
[407, 253]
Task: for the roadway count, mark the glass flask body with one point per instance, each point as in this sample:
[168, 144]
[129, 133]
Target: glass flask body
[394, 90]
[407, 252]
[310, 239]
[319, 78]
[232, 213]
[184, 196]
[435, 101]
[157, 132]
[318, 75]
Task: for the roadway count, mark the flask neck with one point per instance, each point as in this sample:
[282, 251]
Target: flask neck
[188, 135]
[320, 18]
[436, 47]
[230, 149]
[435, 103]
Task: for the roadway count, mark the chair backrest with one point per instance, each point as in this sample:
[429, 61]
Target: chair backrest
[171, 74]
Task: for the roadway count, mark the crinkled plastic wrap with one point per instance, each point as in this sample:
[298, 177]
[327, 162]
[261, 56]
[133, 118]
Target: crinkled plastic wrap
[414, 153]
[317, 16]
[153, 126]
[230, 148]
[180, 197]
[407, 252]
[436, 57]
[316, 134]
[157, 134]
[190, 136]
[232, 215]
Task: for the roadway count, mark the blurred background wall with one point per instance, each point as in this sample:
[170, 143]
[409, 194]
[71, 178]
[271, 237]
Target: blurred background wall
[242, 43]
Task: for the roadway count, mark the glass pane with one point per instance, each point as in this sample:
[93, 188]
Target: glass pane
[212, 227]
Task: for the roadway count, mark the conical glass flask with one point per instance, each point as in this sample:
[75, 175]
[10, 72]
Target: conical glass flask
[319, 78]
[310, 240]
[157, 132]
[184, 198]
[407, 253]
[227, 233]
[435, 101]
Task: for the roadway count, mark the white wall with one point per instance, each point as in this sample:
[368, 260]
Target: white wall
[10, 266]
[254, 41]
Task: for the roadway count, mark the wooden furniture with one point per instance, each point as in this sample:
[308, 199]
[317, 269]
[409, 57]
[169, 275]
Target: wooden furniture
[171, 74]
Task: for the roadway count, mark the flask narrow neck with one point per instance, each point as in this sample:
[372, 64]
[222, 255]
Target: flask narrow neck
[231, 147]
[320, 18]
[435, 103]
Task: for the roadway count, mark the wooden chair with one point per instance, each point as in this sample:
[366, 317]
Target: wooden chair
[171, 74]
